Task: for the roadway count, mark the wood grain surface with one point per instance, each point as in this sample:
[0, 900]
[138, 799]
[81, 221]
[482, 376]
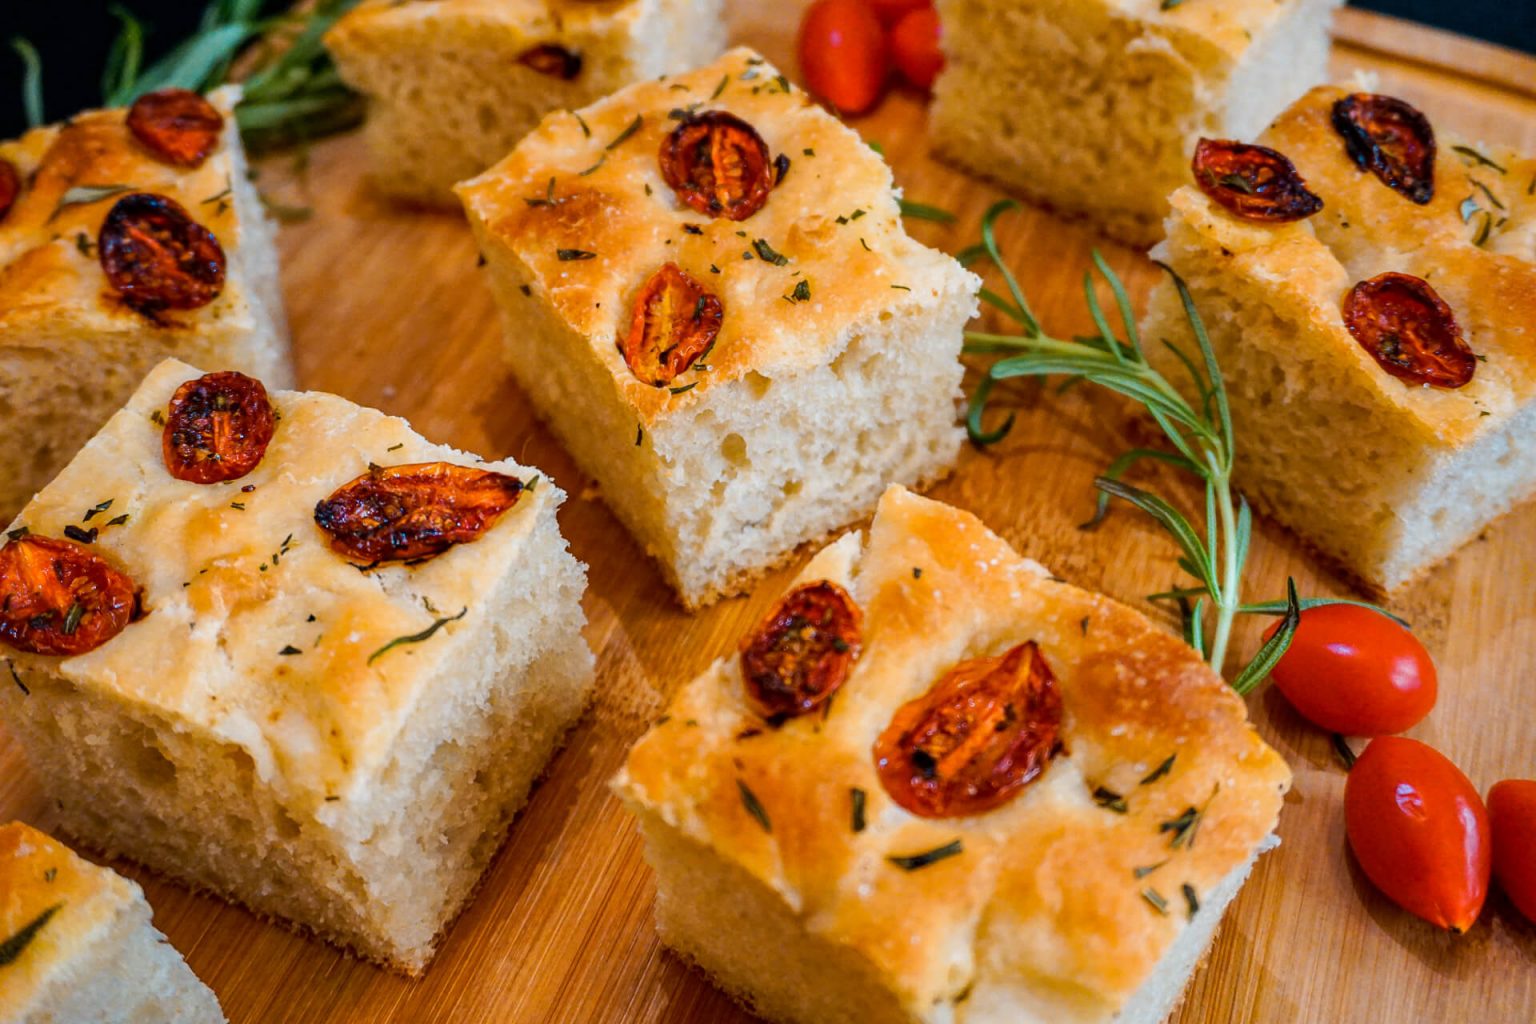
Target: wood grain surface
[388, 309]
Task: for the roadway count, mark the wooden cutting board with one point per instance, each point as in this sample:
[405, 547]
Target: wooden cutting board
[388, 309]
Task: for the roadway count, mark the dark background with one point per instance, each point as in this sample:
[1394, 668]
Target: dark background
[73, 37]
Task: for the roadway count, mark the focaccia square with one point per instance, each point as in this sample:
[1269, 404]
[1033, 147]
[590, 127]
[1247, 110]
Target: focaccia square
[79, 948]
[743, 360]
[72, 346]
[452, 85]
[321, 688]
[941, 786]
[1381, 468]
[1092, 107]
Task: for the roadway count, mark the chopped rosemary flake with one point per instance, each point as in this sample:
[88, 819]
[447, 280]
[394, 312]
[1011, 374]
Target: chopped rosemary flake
[1237, 183]
[416, 638]
[693, 229]
[526, 290]
[1082, 624]
[901, 287]
[17, 677]
[587, 132]
[82, 195]
[714, 269]
[754, 807]
[50, 874]
[634, 126]
[395, 447]
[1150, 894]
[767, 253]
[1187, 824]
[84, 244]
[856, 214]
[289, 649]
[1110, 800]
[865, 244]
[780, 169]
[724, 81]
[533, 482]
[1147, 869]
[219, 198]
[639, 435]
[1190, 899]
[72, 618]
[1487, 192]
[157, 418]
[917, 573]
[12, 948]
[923, 211]
[600, 161]
[685, 387]
[802, 292]
[1473, 156]
[18, 533]
[1160, 770]
[913, 862]
[80, 536]
[96, 510]
[567, 255]
[547, 199]
[808, 151]
[238, 506]
[856, 819]
[1484, 229]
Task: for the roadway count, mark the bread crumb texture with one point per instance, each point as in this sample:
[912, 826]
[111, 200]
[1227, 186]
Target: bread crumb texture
[251, 733]
[1093, 107]
[71, 351]
[1384, 477]
[835, 371]
[1041, 915]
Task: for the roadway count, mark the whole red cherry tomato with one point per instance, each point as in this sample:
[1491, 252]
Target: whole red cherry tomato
[915, 47]
[1419, 831]
[1512, 816]
[891, 11]
[1354, 671]
[842, 54]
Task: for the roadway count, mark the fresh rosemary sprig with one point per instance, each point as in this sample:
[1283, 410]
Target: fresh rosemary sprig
[1200, 433]
[292, 93]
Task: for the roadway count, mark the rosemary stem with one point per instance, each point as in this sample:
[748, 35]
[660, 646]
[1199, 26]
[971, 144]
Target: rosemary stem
[1230, 599]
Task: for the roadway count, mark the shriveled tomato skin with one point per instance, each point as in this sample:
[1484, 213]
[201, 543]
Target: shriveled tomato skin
[1354, 671]
[416, 511]
[717, 164]
[976, 739]
[1512, 818]
[1419, 831]
[674, 322]
[10, 187]
[177, 125]
[58, 597]
[1391, 139]
[1254, 182]
[802, 651]
[157, 256]
[915, 47]
[552, 60]
[1403, 324]
[217, 428]
[843, 54]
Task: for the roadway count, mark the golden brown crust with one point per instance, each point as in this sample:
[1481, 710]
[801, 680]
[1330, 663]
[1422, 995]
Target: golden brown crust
[49, 270]
[609, 198]
[1051, 874]
[272, 631]
[37, 874]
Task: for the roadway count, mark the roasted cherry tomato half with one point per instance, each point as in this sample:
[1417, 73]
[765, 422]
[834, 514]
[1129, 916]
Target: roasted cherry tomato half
[217, 428]
[798, 656]
[402, 513]
[1354, 671]
[157, 256]
[177, 125]
[1409, 330]
[976, 739]
[1419, 831]
[892, 11]
[673, 323]
[1512, 817]
[915, 47]
[59, 597]
[1392, 140]
[842, 54]
[554, 61]
[1254, 182]
[10, 186]
[718, 165]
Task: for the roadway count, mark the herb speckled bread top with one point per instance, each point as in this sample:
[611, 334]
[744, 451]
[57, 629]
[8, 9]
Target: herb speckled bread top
[1473, 242]
[1158, 769]
[52, 905]
[256, 632]
[51, 276]
[537, 17]
[583, 203]
[1228, 27]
